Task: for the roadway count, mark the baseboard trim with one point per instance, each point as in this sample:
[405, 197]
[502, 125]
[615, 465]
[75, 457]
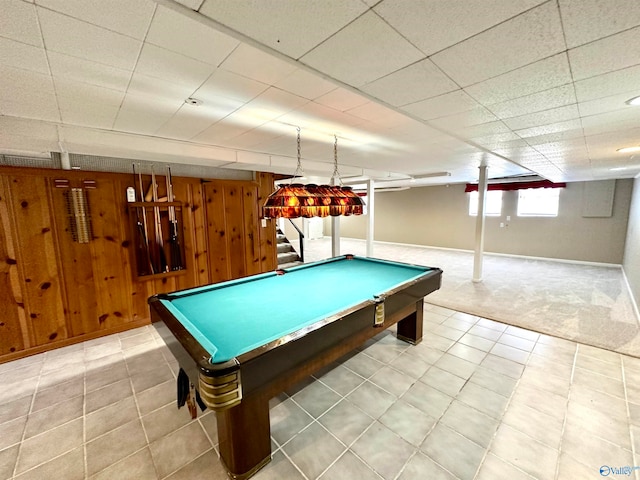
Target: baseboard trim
[633, 299]
[527, 257]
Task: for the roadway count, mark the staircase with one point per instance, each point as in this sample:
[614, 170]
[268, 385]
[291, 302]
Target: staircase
[287, 256]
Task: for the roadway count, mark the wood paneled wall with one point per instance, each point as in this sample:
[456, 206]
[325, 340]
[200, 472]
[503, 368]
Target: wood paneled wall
[55, 291]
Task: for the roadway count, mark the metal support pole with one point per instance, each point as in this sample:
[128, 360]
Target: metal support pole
[335, 228]
[480, 223]
[370, 224]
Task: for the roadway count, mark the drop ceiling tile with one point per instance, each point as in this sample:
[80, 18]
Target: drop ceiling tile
[283, 145]
[341, 99]
[536, 77]
[446, 104]
[142, 114]
[525, 39]
[587, 20]
[292, 28]
[230, 85]
[611, 121]
[67, 35]
[39, 107]
[20, 55]
[16, 83]
[86, 71]
[551, 128]
[544, 117]
[510, 148]
[433, 25]
[576, 151]
[132, 19]
[318, 118]
[608, 104]
[257, 65]
[28, 128]
[305, 84]
[560, 136]
[416, 130]
[27, 94]
[411, 84]
[536, 102]
[160, 89]
[619, 138]
[379, 114]
[26, 146]
[19, 22]
[624, 80]
[231, 126]
[353, 54]
[484, 130]
[494, 140]
[612, 53]
[272, 103]
[86, 94]
[190, 120]
[250, 139]
[75, 113]
[173, 67]
[460, 121]
[184, 35]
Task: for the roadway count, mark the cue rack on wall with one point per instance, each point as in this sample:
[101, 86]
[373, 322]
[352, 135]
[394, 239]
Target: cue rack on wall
[156, 222]
[55, 291]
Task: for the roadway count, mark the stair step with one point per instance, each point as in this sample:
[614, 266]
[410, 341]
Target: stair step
[290, 264]
[287, 257]
[284, 247]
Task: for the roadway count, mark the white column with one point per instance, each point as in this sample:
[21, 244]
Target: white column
[370, 224]
[65, 161]
[335, 229]
[479, 245]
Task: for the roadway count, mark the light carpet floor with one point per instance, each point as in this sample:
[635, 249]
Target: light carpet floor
[584, 303]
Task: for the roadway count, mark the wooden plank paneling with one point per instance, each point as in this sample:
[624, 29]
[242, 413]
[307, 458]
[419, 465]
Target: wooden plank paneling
[233, 212]
[54, 290]
[77, 271]
[218, 247]
[186, 238]
[12, 321]
[134, 290]
[268, 254]
[107, 251]
[38, 259]
[199, 233]
[251, 230]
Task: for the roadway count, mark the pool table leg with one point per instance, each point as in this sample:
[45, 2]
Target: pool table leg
[410, 328]
[244, 435]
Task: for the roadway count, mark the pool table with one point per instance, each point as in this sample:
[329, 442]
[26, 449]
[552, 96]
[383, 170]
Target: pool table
[243, 341]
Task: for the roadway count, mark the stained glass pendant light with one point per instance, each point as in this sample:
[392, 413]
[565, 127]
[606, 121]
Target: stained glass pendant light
[297, 200]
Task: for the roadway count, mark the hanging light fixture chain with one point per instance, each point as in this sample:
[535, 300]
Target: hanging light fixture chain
[299, 172]
[336, 174]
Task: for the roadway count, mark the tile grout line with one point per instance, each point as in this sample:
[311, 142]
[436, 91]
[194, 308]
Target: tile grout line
[628, 411]
[566, 414]
[84, 423]
[501, 421]
[24, 432]
[437, 420]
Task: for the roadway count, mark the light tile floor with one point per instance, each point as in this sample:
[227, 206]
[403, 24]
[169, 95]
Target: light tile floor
[475, 400]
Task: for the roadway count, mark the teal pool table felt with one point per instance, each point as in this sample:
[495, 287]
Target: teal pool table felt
[235, 317]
